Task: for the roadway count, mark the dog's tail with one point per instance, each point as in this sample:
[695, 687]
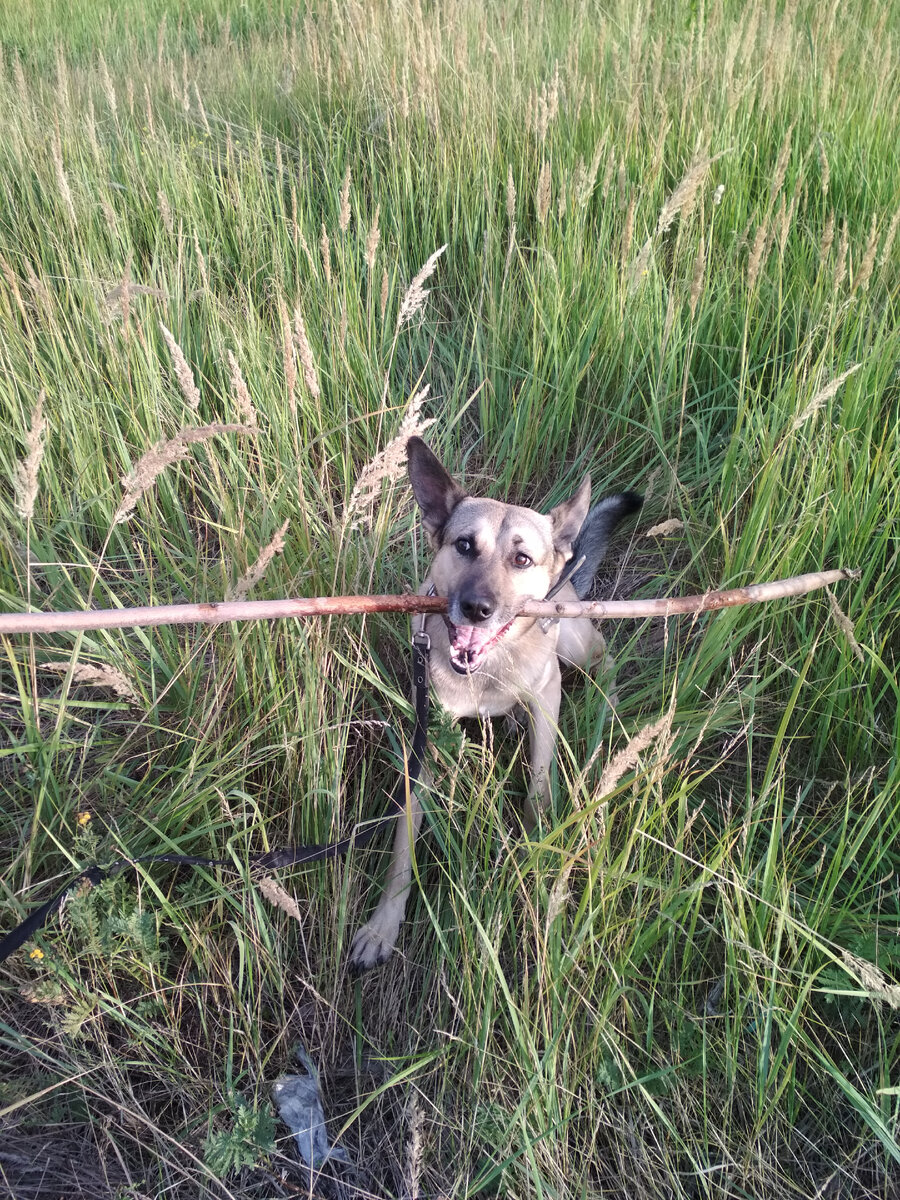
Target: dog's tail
[593, 536]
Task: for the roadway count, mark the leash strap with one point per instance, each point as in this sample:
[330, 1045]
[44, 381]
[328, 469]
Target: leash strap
[269, 859]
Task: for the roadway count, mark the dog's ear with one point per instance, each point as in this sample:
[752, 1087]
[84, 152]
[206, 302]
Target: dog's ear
[568, 517]
[436, 492]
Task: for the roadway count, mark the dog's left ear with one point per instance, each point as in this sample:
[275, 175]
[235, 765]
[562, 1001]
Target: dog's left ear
[437, 493]
[568, 517]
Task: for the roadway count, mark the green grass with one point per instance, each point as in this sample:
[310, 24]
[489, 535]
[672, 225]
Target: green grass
[685, 987]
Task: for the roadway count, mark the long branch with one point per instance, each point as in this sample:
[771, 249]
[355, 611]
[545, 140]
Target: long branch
[321, 606]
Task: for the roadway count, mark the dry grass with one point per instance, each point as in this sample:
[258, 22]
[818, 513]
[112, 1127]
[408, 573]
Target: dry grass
[183, 373]
[373, 240]
[307, 362]
[241, 393]
[26, 477]
[247, 582]
[821, 398]
[164, 454]
[278, 897]
[388, 465]
[684, 197]
[99, 675]
[413, 302]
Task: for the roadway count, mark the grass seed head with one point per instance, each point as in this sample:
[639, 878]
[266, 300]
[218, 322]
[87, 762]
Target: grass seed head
[117, 300]
[148, 111]
[889, 240]
[241, 392]
[344, 215]
[305, 247]
[100, 675]
[62, 179]
[684, 196]
[276, 895]
[864, 274]
[414, 1149]
[840, 267]
[152, 463]
[388, 464]
[827, 238]
[697, 279]
[165, 211]
[587, 180]
[26, 474]
[640, 267]
[785, 220]
[248, 581]
[821, 398]
[307, 361]
[325, 248]
[608, 173]
[757, 252]
[372, 240]
[201, 262]
[627, 233]
[12, 282]
[183, 373]
[872, 979]
[542, 199]
[287, 354]
[824, 167]
[416, 294]
[629, 756]
[108, 87]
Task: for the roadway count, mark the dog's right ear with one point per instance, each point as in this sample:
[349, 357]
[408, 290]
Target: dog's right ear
[436, 492]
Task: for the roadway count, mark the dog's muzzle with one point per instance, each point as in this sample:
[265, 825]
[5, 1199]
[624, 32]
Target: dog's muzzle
[471, 644]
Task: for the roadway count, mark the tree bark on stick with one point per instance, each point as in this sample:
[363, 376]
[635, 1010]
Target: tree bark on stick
[321, 606]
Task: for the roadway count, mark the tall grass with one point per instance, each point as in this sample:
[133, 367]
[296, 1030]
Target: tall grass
[670, 259]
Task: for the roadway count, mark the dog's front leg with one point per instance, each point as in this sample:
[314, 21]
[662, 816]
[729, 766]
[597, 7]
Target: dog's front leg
[543, 712]
[373, 944]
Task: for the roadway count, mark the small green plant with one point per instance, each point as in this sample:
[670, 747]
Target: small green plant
[250, 1139]
[109, 923]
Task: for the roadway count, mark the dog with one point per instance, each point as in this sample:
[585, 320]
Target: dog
[485, 661]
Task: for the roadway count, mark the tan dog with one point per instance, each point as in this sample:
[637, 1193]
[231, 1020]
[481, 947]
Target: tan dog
[485, 661]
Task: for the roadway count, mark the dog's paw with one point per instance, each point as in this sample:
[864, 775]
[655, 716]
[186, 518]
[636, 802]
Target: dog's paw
[371, 947]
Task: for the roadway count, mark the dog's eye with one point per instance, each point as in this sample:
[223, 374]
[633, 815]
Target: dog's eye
[464, 545]
[522, 560]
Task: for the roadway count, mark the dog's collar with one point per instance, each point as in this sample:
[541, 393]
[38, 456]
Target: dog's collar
[568, 571]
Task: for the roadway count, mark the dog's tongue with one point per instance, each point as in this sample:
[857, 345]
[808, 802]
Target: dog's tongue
[469, 645]
[469, 638]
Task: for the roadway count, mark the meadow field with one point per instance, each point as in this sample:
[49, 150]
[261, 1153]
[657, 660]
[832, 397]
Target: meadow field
[670, 256]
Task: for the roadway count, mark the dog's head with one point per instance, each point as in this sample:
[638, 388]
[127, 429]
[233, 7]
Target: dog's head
[489, 556]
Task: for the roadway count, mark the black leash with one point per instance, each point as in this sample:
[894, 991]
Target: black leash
[270, 859]
[288, 856]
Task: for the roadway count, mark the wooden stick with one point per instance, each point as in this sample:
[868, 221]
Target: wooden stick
[322, 606]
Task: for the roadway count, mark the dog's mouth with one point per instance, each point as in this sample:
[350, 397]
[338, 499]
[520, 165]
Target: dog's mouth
[471, 644]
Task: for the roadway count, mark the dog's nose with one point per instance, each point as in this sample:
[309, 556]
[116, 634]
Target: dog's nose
[477, 607]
